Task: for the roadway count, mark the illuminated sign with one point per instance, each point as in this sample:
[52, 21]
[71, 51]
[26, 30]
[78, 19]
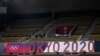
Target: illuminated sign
[44, 47]
[70, 46]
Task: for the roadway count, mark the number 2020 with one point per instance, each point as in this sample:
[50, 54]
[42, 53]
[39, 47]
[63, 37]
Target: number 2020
[75, 47]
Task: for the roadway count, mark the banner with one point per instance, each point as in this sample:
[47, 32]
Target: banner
[70, 46]
[48, 47]
[17, 47]
[39, 46]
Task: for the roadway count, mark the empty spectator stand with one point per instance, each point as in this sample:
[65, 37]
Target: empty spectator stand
[24, 28]
[81, 24]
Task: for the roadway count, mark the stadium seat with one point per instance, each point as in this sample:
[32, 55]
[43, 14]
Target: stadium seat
[73, 37]
[10, 39]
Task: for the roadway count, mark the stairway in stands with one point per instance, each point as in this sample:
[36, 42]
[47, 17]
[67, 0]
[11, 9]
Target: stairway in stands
[42, 30]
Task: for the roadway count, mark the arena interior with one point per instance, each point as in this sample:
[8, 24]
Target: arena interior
[47, 21]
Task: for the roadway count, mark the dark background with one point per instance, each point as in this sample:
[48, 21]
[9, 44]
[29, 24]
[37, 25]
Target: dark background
[21, 9]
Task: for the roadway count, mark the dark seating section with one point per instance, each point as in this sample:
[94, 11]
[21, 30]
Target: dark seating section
[24, 28]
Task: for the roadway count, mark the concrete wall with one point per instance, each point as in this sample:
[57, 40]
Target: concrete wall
[39, 6]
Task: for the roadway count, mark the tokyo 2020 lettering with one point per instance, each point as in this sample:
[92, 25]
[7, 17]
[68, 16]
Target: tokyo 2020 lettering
[70, 46]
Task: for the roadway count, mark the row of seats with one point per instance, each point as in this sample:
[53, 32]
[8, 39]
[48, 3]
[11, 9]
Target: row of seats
[10, 39]
[26, 28]
[30, 23]
[81, 23]
[23, 28]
